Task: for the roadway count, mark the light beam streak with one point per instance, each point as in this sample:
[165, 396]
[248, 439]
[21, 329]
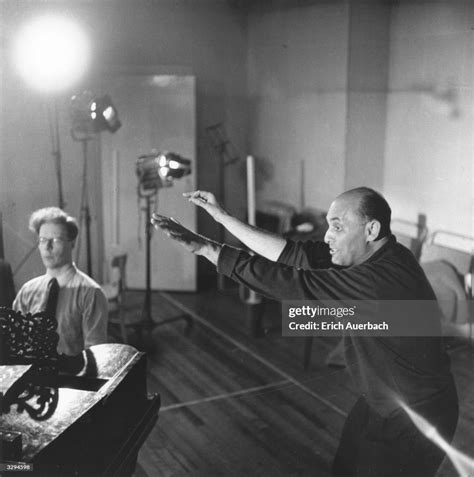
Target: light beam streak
[461, 462]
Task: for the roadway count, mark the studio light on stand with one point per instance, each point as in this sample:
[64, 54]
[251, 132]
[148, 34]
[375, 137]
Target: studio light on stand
[104, 115]
[155, 171]
[90, 115]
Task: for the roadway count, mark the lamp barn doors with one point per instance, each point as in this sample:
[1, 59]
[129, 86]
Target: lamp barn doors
[157, 113]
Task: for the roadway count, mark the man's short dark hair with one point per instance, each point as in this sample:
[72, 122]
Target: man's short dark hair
[54, 215]
[373, 206]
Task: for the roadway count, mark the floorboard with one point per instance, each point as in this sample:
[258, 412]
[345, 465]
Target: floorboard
[234, 404]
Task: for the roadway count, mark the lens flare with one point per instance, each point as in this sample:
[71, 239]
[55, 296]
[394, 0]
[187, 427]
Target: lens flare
[51, 53]
[462, 462]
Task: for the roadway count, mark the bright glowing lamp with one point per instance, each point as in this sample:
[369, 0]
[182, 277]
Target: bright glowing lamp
[51, 53]
[91, 114]
[160, 170]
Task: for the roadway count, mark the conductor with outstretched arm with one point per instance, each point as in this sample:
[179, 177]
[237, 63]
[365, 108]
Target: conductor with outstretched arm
[359, 259]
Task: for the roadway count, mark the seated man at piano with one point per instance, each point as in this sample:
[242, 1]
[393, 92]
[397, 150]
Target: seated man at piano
[75, 299]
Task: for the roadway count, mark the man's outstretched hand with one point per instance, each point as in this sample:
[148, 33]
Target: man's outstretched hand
[173, 229]
[191, 241]
[208, 202]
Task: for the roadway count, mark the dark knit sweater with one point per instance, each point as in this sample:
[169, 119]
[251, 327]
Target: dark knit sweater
[384, 369]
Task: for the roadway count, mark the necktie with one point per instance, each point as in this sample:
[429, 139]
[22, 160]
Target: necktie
[53, 291]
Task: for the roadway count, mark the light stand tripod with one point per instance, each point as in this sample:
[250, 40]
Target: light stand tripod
[148, 324]
[90, 115]
[148, 189]
[53, 120]
[85, 216]
[147, 320]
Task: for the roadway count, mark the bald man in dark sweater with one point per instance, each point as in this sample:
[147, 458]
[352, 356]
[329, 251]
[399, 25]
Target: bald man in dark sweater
[359, 260]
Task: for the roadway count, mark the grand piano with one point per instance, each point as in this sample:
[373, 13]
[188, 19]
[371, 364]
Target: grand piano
[54, 422]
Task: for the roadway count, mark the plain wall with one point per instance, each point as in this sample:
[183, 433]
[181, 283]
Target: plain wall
[369, 93]
[297, 67]
[429, 139]
[367, 77]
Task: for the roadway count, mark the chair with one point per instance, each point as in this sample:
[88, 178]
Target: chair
[114, 291]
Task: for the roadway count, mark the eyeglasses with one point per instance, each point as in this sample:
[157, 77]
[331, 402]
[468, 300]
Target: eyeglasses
[53, 241]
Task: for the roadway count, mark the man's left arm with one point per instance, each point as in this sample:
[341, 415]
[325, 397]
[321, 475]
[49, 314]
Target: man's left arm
[95, 318]
[309, 255]
[285, 282]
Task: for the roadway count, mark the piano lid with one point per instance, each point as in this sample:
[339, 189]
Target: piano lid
[73, 398]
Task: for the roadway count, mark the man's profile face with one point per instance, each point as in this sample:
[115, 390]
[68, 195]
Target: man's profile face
[54, 245]
[346, 235]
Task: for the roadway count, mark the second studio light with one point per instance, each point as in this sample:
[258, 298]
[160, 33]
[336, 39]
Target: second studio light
[104, 115]
[91, 114]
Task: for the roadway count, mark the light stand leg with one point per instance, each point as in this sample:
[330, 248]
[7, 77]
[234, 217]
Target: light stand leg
[221, 165]
[147, 325]
[88, 239]
[53, 116]
[85, 218]
[146, 311]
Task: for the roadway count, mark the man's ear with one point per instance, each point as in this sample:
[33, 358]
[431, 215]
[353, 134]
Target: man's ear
[372, 230]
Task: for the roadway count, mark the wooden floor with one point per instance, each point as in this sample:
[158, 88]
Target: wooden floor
[236, 405]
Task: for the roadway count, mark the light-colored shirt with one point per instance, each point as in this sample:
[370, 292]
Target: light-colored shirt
[81, 310]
